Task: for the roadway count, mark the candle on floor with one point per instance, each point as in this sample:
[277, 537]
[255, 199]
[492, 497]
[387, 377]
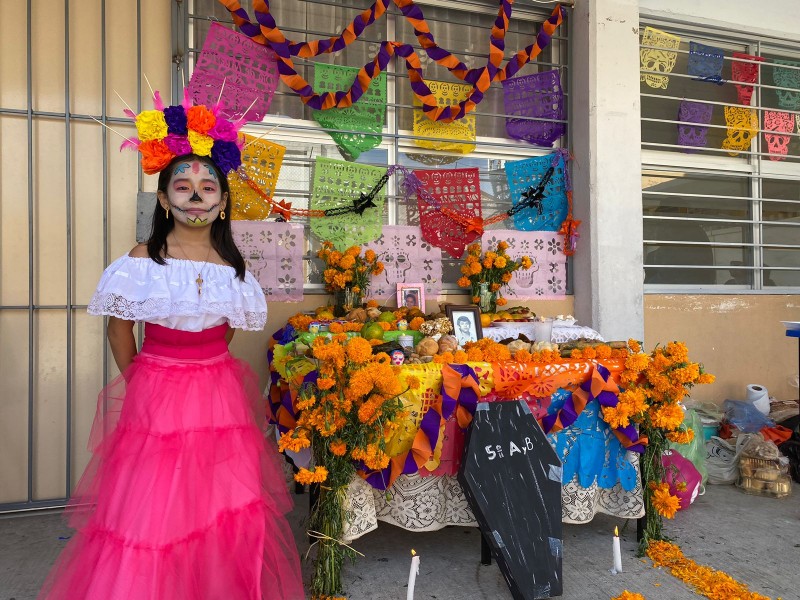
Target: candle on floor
[617, 554]
[412, 575]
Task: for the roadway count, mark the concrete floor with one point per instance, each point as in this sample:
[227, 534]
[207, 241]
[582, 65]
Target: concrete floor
[755, 540]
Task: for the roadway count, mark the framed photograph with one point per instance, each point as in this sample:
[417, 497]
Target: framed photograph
[466, 322]
[411, 295]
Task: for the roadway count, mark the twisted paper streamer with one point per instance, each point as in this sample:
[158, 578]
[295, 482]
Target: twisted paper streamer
[266, 32]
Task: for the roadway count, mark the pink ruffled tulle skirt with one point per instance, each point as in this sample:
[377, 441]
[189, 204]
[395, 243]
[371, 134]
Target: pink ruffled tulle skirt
[183, 498]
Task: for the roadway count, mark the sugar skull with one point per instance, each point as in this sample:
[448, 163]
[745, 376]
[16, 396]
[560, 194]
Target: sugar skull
[402, 325]
[398, 358]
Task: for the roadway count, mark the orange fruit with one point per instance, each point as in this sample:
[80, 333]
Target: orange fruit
[486, 319]
[372, 331]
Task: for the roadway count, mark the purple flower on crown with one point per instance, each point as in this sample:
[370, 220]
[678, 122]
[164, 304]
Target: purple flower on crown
[178, 144]
[226, 155]
[224, 130]
[175, 116]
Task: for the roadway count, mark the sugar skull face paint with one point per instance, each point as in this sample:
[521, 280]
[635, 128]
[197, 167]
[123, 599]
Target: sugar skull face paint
[194, 195]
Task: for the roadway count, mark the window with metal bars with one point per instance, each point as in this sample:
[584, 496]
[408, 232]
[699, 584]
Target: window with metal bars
[720, 161]
[463, 28]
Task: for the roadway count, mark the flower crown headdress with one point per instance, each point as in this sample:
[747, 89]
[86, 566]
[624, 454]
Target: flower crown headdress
[167, 132]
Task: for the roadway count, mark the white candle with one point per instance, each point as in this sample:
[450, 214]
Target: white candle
[617, 554]
[412, 575]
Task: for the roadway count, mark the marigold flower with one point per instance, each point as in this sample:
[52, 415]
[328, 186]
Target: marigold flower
[294, 440]
[526, 262]
[494, 287]
[359, 350]
[415, 323]
[500, 262]
[476, 299]
[474, 249]
[306, 477]
[523, 356]
[488, 262]
[589, 353]
[464, 282]
[603, 351]
[505, 277]
[413, 382]
[475, 268]
[502, 302]
[337, 447]
[665, 503]
[347, 261]
[681, 437]
[378, 268]
[634, 345]
[370, 255]
[474, 354]
[372, 303]
[460, 357]
[626, 595]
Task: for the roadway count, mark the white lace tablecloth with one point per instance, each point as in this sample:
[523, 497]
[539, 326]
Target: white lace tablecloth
[561, 333]
[430, 503]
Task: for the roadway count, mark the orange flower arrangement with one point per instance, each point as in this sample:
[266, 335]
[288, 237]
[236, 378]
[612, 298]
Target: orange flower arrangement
[348, 270]
[346, 416]
[493, 269]
[653, 385]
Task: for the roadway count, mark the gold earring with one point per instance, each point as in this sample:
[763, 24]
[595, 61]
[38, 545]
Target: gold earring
[166, 211]
[222, 215]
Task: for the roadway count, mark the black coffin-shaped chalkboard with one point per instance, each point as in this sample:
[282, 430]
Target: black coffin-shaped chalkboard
[512, 479]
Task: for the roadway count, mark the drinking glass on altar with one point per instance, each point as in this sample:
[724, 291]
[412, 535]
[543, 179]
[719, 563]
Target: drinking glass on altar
[542, 329]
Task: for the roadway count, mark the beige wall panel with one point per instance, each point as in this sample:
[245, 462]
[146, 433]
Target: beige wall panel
[87, 207]
[87, 381]
[122, 182]
[739, 339]
[14, 405]
[156, 50]
[251, 346]
[50, 211]
[47, 55]
[13, 211]
[121, 56]
[85, 52]
[50, 404]
[13, 58]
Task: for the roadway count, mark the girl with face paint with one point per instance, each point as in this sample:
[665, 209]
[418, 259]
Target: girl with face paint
[183, 497]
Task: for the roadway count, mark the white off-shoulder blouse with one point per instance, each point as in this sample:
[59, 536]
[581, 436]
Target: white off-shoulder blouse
[139, 289]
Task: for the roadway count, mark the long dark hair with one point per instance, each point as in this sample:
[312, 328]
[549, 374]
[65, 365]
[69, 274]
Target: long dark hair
[221, 237]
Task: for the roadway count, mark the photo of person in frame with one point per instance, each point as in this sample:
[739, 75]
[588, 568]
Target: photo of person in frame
[465, 327]
[411, 298]
[411, 295]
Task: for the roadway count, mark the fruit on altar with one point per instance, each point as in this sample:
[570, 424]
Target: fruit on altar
[486, 319]
[372, 331]
[504, 314]
[324, 313]
[447, 343]
[427, 347]
[358, 315]
[387, 317]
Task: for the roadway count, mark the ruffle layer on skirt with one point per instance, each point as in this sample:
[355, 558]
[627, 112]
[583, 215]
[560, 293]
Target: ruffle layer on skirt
[183, 497]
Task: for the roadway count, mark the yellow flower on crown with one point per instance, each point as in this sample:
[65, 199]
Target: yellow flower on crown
[151, 125]
[201, 144]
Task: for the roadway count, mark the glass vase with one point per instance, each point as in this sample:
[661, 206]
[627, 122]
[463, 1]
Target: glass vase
[487, 298]
[346, 300]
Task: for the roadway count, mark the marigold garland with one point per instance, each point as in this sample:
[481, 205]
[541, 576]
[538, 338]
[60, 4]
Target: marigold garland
[626, 595]
[706, 581]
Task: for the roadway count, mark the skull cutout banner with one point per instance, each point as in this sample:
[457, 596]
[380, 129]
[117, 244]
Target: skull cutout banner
[539, 99]
[742, 126]
[234, 70]
[363, 120]
[657, 55]
[789, 80]
[550, 211]
[776, 122]
[744, 72]
[693, 112]
[273, 253]
[705, 62]
[456, 190]
[407, 258]
[547, 278]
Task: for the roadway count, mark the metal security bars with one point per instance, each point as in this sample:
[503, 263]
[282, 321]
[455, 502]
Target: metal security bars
[720, 218]
[463, 30]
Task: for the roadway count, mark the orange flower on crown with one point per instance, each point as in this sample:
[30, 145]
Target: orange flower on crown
[155, 156]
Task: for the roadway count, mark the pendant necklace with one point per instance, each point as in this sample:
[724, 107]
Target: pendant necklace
[199, 281]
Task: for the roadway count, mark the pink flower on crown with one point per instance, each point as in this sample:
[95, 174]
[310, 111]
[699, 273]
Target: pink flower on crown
[178, 144]
[224, 130]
